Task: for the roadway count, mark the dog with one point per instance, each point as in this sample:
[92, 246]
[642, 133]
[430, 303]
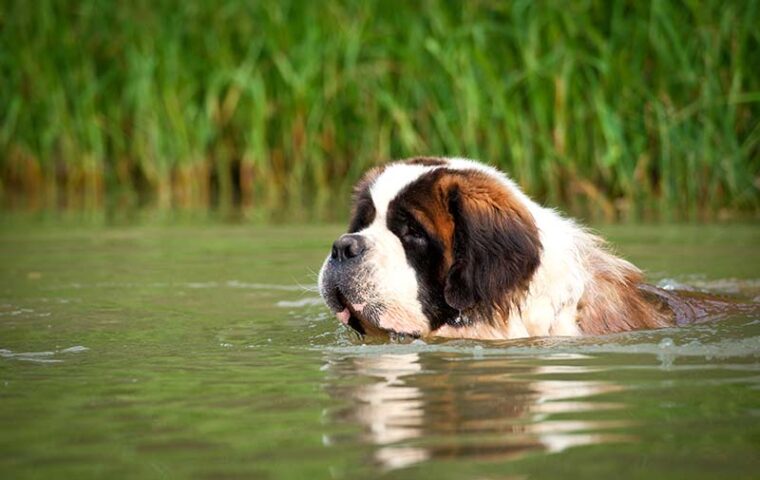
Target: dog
[449, 247]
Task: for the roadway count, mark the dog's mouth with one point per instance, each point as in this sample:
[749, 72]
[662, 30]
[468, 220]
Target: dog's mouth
[358, 316]
[351, 314]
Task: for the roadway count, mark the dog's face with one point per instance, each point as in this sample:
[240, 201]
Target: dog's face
[431, 242]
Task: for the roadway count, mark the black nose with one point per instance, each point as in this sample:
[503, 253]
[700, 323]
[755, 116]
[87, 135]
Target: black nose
[347, 247]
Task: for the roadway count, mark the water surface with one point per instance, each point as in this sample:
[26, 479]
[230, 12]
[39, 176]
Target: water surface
[203, 351]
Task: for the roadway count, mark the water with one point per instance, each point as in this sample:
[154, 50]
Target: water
[202, 351]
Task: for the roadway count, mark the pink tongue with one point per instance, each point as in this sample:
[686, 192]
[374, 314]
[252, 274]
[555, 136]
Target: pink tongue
[343, 316]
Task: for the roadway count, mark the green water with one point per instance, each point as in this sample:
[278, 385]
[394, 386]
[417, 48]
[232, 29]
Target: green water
[203, 351]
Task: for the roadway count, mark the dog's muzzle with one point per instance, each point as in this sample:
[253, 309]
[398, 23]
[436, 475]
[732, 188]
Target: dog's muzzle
[344, 277]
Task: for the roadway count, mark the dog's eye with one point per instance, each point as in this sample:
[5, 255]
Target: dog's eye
[413, 235]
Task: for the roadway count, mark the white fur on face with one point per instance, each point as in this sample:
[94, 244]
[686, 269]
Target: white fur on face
[388, 185]
[393, 280]
[385, 283]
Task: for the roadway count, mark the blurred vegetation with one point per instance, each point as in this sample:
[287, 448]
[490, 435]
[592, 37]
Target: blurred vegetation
[621, 109]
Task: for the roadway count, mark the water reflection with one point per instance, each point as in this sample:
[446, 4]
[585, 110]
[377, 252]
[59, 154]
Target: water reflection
[414, 407]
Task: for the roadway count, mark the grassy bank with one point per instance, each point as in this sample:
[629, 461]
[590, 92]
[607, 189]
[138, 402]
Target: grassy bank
[616, 109]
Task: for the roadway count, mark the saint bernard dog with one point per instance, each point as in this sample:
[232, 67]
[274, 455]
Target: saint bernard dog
[449, 247]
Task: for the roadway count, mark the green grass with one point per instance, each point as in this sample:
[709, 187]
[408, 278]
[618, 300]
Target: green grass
[620, 109]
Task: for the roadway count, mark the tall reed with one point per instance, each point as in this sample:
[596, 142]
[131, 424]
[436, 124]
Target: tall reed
[613, 108]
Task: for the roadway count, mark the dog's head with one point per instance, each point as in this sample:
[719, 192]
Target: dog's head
[431, 242]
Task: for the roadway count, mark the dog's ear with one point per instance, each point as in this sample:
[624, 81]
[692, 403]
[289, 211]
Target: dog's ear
[496, 247]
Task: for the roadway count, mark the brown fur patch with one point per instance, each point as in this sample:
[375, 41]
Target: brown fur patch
[489, 239]
[613, 301]
[499, 238]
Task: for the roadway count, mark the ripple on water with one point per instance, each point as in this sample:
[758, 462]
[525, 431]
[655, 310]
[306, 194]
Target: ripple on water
[716, 348]
[41, 357]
